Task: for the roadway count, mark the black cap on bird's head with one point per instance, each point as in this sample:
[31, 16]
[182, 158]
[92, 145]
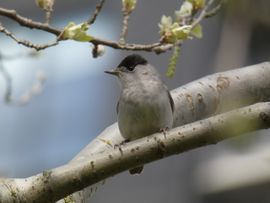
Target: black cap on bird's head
[129, 62]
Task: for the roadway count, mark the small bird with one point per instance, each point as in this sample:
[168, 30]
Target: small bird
[145, 105]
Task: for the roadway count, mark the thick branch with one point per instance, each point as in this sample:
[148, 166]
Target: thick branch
[197, 100]
[64, 180]
[194, 101]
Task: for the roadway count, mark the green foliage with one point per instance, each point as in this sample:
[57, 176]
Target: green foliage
[172, 31]
[184, 11]
[197, 31]
[76, 32]
[173, 61]
[197, 4]
[45, 4]
[129, 5]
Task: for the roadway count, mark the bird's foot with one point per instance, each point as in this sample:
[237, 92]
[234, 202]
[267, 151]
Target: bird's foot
[164, 131]
[121, 143]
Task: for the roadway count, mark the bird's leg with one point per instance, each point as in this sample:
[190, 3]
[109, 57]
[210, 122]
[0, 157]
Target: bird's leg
[164, 131]
[121, 143]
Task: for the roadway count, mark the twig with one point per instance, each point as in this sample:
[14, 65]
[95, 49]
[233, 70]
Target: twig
[202, 14]
[48, 16]
[124, 27]
[8, 80]
[157, 47]
[25, 42]
[32, 53]
[99, 6]
[214, 10]
[26, 22]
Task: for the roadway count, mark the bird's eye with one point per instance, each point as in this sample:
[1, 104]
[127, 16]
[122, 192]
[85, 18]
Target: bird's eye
[130, 68]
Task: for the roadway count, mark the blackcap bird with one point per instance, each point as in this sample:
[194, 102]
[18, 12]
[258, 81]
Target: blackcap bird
[145, 105]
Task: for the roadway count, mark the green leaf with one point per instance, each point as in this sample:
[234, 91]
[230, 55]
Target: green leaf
[197, 31]
[76, 32]
[182, 32]
[184, 11]
[165, 24]
[172, 62]
[45, 4]
[197, 4]
[129, 5]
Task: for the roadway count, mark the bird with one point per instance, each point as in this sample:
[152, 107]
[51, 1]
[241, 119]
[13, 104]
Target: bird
[145, 105]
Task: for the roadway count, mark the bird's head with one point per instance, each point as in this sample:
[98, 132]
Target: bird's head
[133, 68]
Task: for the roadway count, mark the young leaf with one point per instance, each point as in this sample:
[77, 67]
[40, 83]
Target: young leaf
[197, 31]
[129, 5]
[181, 32]
[76, 32]
[45, 4]
[165, 24]
[197, 4]
[184, 11]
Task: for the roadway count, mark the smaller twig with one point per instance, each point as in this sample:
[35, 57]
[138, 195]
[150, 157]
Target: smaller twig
[26, 43]
[8, 80]
[6, 57]
[214, 10]
[92, 19]
[48, 16]
[48, 8]
[124, 27]
[202, 14]
[36, 88]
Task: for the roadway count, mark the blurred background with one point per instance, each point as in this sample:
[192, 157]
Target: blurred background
[79, 101]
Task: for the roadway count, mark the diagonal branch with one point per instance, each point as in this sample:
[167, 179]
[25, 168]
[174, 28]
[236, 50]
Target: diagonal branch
[99, 6]
[59, 182]
[197, 100]
[202, 14]
[214, 10]
[8, 81]
[26, 43]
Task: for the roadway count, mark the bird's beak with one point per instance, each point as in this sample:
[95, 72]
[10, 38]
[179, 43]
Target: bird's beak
[112, 72]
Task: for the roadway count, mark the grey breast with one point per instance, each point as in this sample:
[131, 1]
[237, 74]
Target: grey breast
[146, 114]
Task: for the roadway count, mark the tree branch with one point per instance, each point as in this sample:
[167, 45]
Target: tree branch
[26, 43]
[26, 22]
[203, 13]
[214, 10]
[199, 99]
[59, 182]
[194, 101]
[157, 47]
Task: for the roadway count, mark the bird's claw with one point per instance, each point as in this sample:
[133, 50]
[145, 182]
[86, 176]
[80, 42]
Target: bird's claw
[164, 131]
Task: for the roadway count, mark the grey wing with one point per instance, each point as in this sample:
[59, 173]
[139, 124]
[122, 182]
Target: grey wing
[170, 97]
[117, 107]
[171, 100]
